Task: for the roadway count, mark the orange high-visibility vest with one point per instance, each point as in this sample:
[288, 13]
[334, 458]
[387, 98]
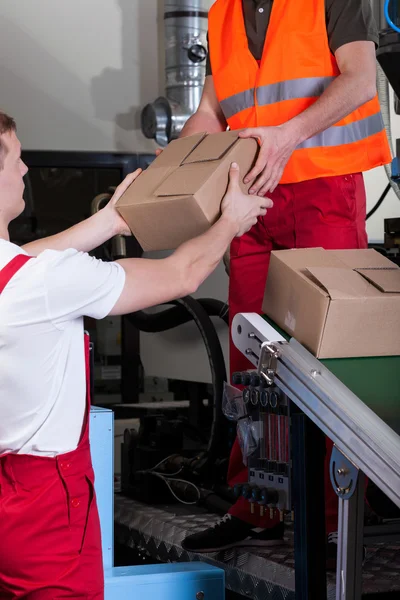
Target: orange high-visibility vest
[296, 67]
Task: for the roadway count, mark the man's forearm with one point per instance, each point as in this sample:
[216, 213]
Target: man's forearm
[150, 282]
[203, 121]
[346, 93]
[84, 236]
[198, 257]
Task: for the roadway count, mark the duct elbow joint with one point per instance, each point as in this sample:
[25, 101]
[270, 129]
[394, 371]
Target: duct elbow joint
[163, 120]
[185, 47]
[156, 121]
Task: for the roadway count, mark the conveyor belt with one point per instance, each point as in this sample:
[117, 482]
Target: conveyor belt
[266, 575]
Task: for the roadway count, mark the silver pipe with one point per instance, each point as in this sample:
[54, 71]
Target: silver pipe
[118, 243]
[185, 47]
[99, 202]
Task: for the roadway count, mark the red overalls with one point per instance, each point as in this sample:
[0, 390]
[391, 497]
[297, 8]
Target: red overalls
[50, 542]
[328, 212]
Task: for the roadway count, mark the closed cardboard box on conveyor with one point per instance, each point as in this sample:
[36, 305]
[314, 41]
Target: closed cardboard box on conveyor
[337, 304]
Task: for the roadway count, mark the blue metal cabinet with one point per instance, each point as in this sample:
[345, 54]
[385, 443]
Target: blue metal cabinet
[102, 450]
[178, 581]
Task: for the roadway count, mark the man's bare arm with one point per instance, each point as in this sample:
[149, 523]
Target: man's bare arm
[355, 86]
[209, 116]
[150, 282]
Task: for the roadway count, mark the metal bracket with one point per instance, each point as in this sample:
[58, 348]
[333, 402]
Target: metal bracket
[268, 362]
[343, 474]
[348, 482]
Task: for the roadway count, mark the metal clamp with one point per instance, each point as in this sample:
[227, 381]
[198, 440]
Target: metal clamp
[348, 483]
[268, 362]
[343, 473]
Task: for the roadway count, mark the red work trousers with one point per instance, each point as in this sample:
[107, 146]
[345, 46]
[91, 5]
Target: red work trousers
[50, 542]
[329, 213]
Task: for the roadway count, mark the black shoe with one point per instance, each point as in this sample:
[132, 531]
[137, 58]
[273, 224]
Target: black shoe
[230, 532]
[331, 551]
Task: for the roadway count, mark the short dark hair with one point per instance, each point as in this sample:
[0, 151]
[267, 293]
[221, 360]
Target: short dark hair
[7, 124]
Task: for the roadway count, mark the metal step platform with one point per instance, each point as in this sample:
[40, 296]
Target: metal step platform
[261, 575]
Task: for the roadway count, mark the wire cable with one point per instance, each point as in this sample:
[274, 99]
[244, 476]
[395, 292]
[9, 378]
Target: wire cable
[381, 199]
[187, 483]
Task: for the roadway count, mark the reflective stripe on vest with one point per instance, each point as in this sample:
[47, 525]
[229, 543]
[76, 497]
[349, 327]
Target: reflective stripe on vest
[311, 87]
[308, 87]
[346, 134]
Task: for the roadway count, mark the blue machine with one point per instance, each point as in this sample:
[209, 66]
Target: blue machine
[102, 448]
[180, 581]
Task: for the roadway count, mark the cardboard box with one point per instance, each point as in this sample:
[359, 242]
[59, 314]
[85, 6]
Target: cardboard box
[179, 196]
[336, 303]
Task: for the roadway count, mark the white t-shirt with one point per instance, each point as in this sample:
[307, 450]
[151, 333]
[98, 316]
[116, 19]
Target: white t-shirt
[42, 363]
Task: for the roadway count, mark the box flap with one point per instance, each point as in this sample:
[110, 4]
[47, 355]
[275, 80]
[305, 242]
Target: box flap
[212, 147]
[177, 150]
[141, 191]
[386, 280]
[186, 180]
[340, 283]
[301, 258]
[362, 258]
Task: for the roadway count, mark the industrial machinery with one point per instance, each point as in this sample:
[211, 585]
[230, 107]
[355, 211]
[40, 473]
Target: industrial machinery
[262, 413]
[363, 427]
[352, 401]
[185, 45]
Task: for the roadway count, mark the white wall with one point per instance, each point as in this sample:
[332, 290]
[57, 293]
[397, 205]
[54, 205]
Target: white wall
[76, 73]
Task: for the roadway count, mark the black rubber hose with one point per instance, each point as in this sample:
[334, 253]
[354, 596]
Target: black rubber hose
[214, 503]
[197, 313]
[381, 199]
[215, 308]
[178, 315]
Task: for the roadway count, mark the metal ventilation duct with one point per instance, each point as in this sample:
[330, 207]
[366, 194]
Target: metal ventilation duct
[185, 44]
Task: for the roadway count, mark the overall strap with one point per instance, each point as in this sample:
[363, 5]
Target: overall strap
[11, 268]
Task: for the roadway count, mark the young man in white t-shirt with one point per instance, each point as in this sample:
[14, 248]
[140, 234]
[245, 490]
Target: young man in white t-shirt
[49, 530]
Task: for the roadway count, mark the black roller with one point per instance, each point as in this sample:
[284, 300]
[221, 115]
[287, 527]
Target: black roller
[237, 378]
[255, 380]
[246, 378]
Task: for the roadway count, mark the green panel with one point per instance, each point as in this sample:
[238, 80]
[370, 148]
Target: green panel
[376, 381]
